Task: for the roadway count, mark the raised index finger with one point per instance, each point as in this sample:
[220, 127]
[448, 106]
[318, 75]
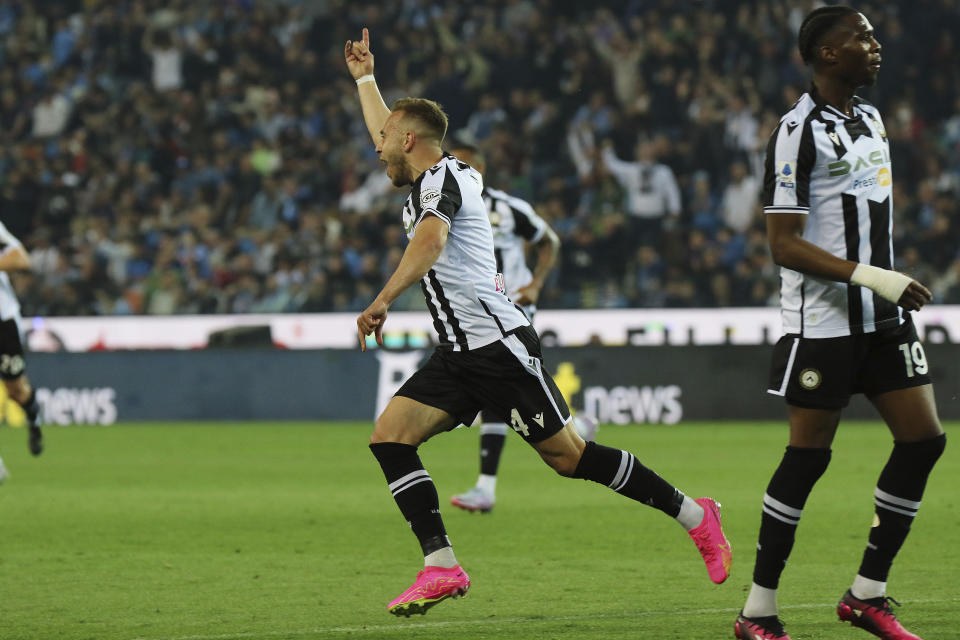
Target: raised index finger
[366, 38]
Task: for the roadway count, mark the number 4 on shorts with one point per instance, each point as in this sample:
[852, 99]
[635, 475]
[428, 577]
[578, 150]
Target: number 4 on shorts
[517, 423]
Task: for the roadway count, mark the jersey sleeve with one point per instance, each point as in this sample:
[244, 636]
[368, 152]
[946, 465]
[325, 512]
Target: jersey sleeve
[439, 196]
[789, 162]
[527, 224]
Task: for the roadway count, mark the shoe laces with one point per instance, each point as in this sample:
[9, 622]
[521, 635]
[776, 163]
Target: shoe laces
[883, 604]
[770, 624]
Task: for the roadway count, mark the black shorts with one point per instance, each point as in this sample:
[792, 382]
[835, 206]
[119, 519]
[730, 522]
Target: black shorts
[506, 379]
[12, 364]
[822, 373]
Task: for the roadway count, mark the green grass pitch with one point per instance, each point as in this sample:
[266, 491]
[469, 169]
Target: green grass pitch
[221, 531]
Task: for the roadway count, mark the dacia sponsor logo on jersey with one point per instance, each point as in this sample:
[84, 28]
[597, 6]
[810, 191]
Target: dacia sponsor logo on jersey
[843, 167]
[786, 174]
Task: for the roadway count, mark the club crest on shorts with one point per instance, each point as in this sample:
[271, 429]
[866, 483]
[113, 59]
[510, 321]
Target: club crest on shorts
[810, 379]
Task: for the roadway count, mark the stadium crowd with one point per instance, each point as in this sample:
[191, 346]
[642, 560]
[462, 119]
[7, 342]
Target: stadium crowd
[165, 156]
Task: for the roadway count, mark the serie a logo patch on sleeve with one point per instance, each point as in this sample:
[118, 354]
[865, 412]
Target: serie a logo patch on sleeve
[786, 174]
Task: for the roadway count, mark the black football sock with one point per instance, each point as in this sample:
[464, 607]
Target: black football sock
[32, 408]
[623, 473]
[491, 448]
[897, 499]
[783, 503]
[414, 492]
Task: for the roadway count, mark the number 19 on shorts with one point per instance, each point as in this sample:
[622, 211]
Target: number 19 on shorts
[914, 358]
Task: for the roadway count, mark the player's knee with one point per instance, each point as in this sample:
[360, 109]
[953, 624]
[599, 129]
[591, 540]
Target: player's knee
[564, 463]
[18, 389]
[387, 430]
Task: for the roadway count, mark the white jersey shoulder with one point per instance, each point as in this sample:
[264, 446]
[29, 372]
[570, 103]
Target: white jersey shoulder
[9, 305]
[834, 169]
[464, 292]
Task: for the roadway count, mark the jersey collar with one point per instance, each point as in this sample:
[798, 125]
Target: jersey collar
[824, 105]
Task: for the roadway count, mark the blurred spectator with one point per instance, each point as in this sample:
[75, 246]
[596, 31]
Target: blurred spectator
[652, 195]
[740, 203]
[168, 157]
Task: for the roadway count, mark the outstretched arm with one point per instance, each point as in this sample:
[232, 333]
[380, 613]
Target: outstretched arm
[360, 63]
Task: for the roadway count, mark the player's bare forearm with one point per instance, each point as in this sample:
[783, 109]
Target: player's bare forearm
[790, 250]
[375, 110]
[547, 251]
[421, 254]
[15, 260]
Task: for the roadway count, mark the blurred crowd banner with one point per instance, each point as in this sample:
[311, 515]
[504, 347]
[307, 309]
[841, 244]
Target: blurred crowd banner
[617, 385]
[405, 330]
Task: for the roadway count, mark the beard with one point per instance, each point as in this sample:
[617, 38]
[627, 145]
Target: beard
[399, 173]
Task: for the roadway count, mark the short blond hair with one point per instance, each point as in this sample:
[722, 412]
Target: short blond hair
[429, 115]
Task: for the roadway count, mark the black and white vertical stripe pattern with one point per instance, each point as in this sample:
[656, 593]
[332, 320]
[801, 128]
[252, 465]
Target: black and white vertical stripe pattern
[890, 502]
[514, 223]
[461, 289]
[414, 477]
[836, 170]
[780, 511]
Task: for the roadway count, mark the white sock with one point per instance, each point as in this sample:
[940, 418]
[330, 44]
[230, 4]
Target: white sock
[691, 514]
[865, 588]
[760, 602]
[487, 484]
[440, 558]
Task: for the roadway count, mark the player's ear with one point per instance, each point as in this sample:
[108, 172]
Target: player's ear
[409, 139]
[827, 54]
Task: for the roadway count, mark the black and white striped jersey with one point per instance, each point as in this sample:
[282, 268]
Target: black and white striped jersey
[836, 170]
[464, 291]
[514, 223]
[9, 305]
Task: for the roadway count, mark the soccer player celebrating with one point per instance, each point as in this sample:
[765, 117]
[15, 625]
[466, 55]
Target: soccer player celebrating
[488, 356]
[515, 224]
[827, 198]
[13, 368]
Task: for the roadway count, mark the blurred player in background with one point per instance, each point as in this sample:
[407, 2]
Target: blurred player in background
[13, 367]
[828, 203]
[515, 226]
[488, 356]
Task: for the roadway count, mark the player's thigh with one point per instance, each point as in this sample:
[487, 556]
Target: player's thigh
[410, 422]
[432, 400]
[814, 373]
[13, 367]
[812, 428]
[910, 414]
[895, 376]
[508, 379]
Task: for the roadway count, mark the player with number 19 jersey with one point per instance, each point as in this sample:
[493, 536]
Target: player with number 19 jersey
[834, 169]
